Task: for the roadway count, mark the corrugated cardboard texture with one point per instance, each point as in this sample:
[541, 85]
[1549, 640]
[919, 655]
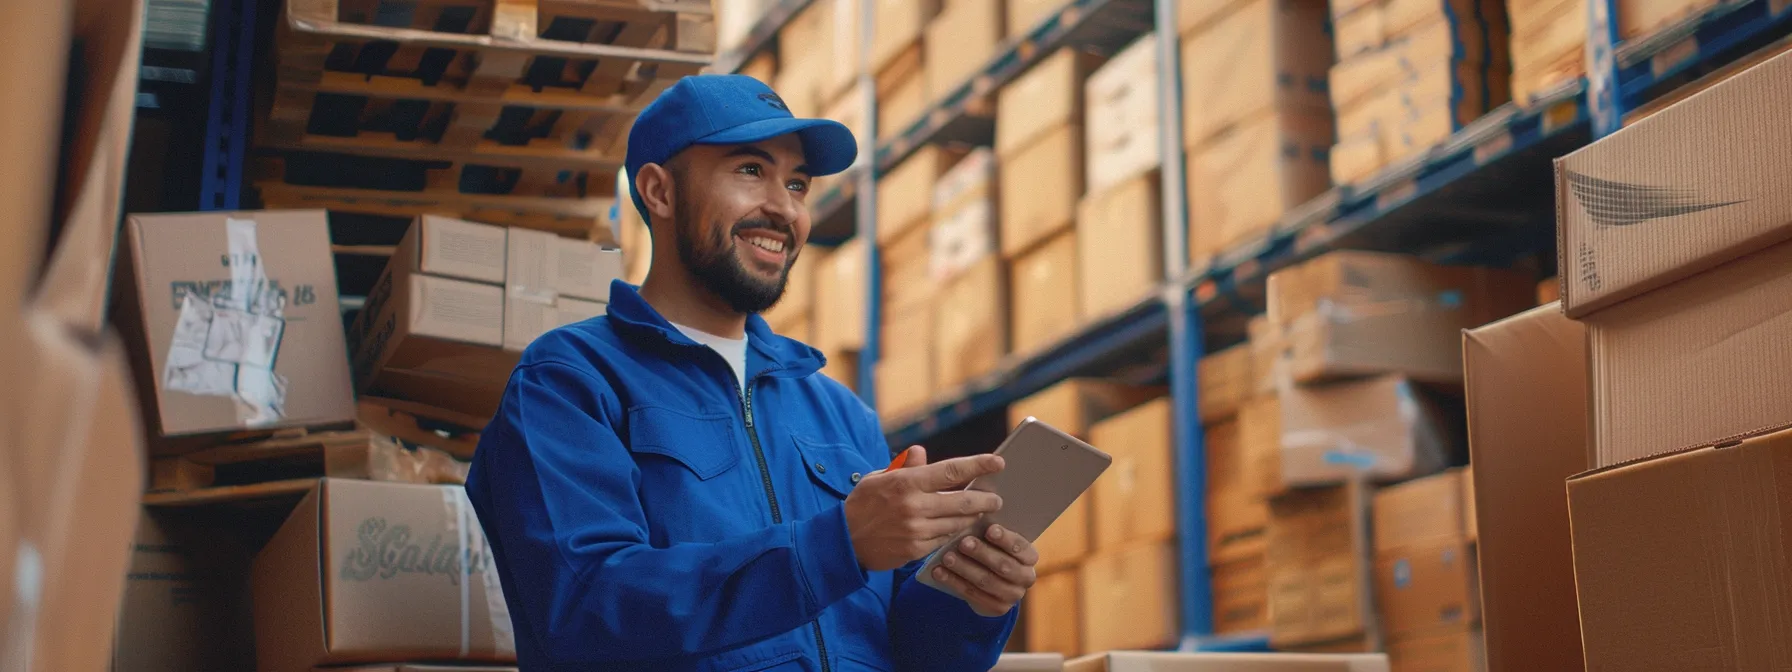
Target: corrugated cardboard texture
[1427, 587]
[455, 248]
[1453, 652]
[1683, 561]
[1241, 596]
[172, 257]
[1360, 313]
[1049, 96]
[1120, 248]
[1420, 512]
[1384, 429]
[1265, 54]
[1129, 598]
[1702, 360]
[186, 607]
[1041, 184]
[1225, 380]
[1120, 121]
[1144, 661]
[365, 571]
[1318, 563]
[1686, 189]
[1052, 614]
[525, 321]
[1044, 286]
[971, 327]
[1245, 177]
[960, 41]
[1237, 507]
[1135, 500]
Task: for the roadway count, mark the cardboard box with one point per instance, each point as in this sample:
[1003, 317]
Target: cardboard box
[849, 109]
[1382, 429]
[1135, 500]
[1431, 67]
[970, 178]
[1240, 596]
[971, 327]
[1129, 598]
[1421, 512]
[847, 57]
[1550, 53]
[204, 374]
[735, 20]
[904, 383]
[1066, 542]
[960, 41]
[763, 67]
[1052, 614]
[1044, 301]
[1425, 588]
[896, 25]
[906, 329]
[840, 296]
[1462, 651]
[184, 609]
[542, 265]
[842, 366]
[1029, 662]
[964, 226]
[1150, 661]
[526, 320]
[1639, 18]
[1076, 404]
[1049, 96]
[905, 194]
[1041, 185]
[32, 137]
[1260, 431]
[1120, 245]
[1237, 507]
[1679, 192]
[1025, 15]
[806, 53]
[907, 285]
[1120, 119]
[1265, 55]
[1267, 347]
[1526, 385]
[1359, 32]
[332, 586]
[1360, 313]
[1225, 380]
[453, 248]
[1318, 562]
[901, 93]
[1695, 362]
[1681, 558]
[1242, 181]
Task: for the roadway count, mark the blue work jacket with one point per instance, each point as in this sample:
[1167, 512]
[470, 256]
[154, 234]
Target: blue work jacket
[648, 513]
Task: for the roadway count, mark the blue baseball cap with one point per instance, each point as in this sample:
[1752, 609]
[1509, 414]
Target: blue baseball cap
[728, 110]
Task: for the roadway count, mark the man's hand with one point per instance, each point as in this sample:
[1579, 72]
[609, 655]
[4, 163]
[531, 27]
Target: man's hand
[992, 573]
[897, 517]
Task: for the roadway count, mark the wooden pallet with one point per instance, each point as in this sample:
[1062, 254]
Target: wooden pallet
[454, 433]
[291, 465]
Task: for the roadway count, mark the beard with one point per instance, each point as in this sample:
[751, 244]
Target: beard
[713, 260]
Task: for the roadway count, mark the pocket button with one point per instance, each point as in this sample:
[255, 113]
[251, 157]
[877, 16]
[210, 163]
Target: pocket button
[821, 468]
[856, 476]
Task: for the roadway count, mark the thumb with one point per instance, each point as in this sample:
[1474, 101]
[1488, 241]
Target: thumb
[917, 457]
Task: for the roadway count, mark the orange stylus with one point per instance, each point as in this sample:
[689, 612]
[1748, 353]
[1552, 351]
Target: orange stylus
[900, 458]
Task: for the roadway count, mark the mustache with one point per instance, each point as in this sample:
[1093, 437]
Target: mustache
[762, 223]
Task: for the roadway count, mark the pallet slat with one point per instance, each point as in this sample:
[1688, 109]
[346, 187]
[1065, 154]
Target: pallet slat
[277, 466]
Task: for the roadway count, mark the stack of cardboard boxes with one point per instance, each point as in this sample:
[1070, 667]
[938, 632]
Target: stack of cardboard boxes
[1119, 224]
[911, 358]
[1243, 429]
[1411, 73]
[898, 62]
[1427, 586]
[1256, 122]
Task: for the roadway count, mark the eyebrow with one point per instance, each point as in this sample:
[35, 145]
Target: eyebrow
[755, 152]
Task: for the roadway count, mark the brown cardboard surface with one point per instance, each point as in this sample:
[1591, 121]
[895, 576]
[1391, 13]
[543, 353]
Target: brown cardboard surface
[907, 284]
[1683, 560]
[960, 40]
[1023, 15]
[1129, 598]
[763, 67]
[1237, 508]
[1526, 386]
[1240, 596]
[1453, 652]
[1439, 46]
[907, 329]
[1361, 313]
[1266, 341]
[1043, 303]
[1047, 97]
[1420, 512]
[1151, 661]
[1076, 404]
[1244, 178]
[1135, 499]
[848, 108]
[905, 194]
[34, 33]
[1359, 32]
[454, 248]
[1422, 588]
[1120, 248]
[1225, 381]
[1120, 120]
[1066, 542]
[1041, 184]
[186, 603]
[1679, 192]
[1384, 429]
[1639, 18]
[526, 320]
[1263, 55]
[1698, 361]
[1052, 613]
[1318, 562]
[971, 326]
[1549, 291]
[330, 587]
[846, 58]
[971, 178]
[805, 55]
[840, 295]
[543, 265]
[904, 383]
[1260, 432]
[1029, 662]
[175, 256]
[901, 94]
[897, 24]
[961, 235]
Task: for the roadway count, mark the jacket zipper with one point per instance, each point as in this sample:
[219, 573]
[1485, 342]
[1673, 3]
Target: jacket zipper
[771, 498]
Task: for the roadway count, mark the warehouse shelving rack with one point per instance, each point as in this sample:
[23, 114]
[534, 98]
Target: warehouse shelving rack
[1474, 198]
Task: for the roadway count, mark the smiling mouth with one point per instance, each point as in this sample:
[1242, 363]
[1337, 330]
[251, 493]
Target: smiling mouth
[766, 243]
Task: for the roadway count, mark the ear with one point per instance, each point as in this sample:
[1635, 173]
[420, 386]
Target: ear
[656, 187]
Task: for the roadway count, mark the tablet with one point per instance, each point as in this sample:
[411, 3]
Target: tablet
[1044, 471]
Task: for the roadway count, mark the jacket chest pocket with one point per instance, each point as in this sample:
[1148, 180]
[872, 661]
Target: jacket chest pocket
[692, 487]
[834, 469]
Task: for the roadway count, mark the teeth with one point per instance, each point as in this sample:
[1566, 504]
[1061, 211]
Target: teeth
[769, 244]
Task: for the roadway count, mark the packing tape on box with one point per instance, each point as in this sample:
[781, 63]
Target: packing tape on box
[226, 345]
[476, 561]
[27, 593]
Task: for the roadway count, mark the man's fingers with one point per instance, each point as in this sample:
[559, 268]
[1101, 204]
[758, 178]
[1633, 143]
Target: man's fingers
[969, 580]
[954, 473]
[960, 503]
[1016, 545]
[1008, 577]
[937, 528]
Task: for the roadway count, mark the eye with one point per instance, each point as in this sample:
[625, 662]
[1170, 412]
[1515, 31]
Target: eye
[752, 169]
[798, 186]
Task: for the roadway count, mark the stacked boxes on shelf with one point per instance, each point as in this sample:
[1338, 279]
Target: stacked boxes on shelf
[806, 59]
[1410, 73]
[1119, 224]
[1427, 583]
[959, 258]
[1256, 120]
[1549, 45]
[906, 369]
[897, 62]
[1243, 430]
[959, 42]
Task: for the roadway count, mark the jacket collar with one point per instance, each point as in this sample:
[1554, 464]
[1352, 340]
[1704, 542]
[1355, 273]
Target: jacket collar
[767, 352]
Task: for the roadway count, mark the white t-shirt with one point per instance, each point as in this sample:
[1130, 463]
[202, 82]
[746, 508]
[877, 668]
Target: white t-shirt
[732, 349]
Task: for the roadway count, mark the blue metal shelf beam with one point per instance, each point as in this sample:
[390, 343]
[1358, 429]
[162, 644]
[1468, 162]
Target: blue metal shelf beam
[227, 119]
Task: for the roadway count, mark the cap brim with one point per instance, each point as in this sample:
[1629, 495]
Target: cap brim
[828, 146]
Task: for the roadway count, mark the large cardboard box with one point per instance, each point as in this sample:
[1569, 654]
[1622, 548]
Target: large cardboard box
[1044, 301]
[971, 327]
[365, 571]
[1421, 512]
[1427, 588]
[186, 603]
[849, 109]
[1318, 563]
[1361, 313]
[906, 328]
[897, 25]
[1047, 97]
[1150, 661]
[806, 56]
[905, 194]
[907, 285]
[526, 320]
[1077, 404]
[1135, 500]
[1442, 62]
[1120, 245]
[1121, 122]
[1029, 662]
[1041, 185]
[904, 383]
[1679, 192]
[35, 34]
[1382, 429]
[1260, 430]
[964, 223]
[1680, 561]
[1266, 54]
[1237, 507]
[1549, 41]
[1225, 382]
[1129, 598]
[1526, 385]
[960, 41]
[840, 296]
[1698, 361]
[234, 321]
[735, 20]
[1053, 615]
[1461, 651]
[901, 93]
[1267, 347]
[543, 265]
[1240, 596]
[1246, 176]
[847, 57]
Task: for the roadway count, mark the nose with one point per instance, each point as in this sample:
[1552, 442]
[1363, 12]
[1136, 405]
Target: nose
[783, 205]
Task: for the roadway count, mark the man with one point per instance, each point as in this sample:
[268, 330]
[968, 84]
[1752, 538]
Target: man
[674, 487]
